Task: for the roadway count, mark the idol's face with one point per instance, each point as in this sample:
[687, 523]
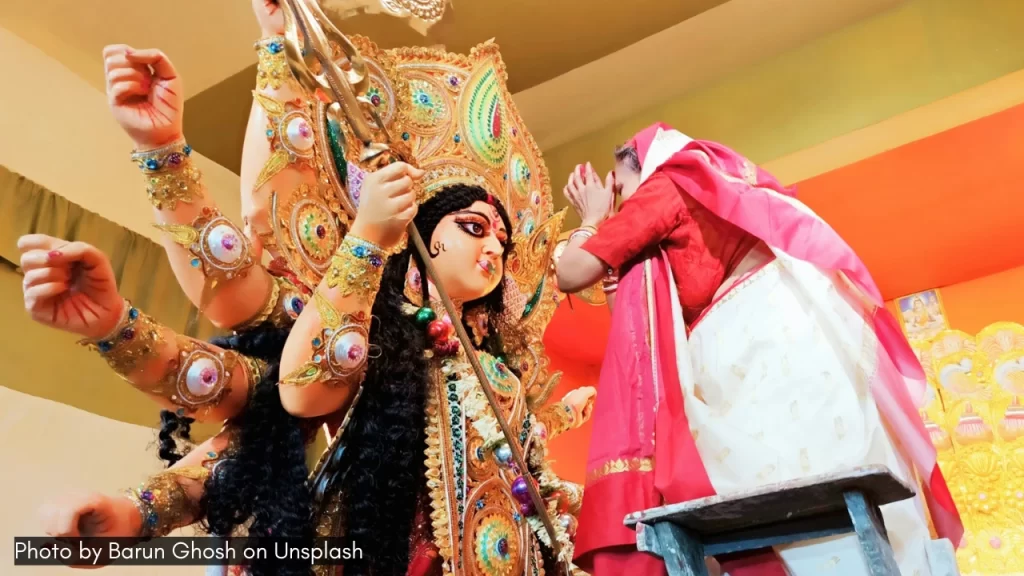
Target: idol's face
[627, 180]
[467, 248]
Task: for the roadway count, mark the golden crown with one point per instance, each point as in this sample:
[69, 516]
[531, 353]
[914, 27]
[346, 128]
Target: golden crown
[454, 114]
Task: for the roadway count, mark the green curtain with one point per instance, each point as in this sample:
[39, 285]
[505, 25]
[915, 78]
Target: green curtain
[47, 363]
[143, 274]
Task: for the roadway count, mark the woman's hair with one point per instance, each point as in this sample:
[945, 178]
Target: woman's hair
[627, 155]
[265, 478]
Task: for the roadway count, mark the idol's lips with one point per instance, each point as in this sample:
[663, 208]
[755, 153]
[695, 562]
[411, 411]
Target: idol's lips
[486, 266]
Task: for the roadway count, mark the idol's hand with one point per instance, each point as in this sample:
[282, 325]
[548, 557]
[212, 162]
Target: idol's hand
[269, 15]
[582, 401]
[387, 205]
[69, 285]
[87, 515]
[145, 95]
[592, 199]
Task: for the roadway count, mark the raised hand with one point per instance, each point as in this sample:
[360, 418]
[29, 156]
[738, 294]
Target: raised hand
[69, 285]
[582, 401]
[144, 94]
[269, 15]
[592, 199]
[387, 205]
[88, 515]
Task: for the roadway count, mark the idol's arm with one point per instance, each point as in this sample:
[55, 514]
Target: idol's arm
[572, 411]
[325, 355]
[188, 376]
[171, 499]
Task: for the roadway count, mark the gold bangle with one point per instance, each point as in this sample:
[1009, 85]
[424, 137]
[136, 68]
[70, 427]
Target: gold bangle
[170, 175]
[163, 502]
[134, 340]
[357, 268]
[272, 69]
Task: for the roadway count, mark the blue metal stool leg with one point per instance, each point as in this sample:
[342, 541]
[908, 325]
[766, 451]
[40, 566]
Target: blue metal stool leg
[682, 551]
[874, 541]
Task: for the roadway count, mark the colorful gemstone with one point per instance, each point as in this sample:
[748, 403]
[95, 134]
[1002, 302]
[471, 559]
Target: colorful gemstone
[437, 330]
[147, 496]
[375, 100]
[180, 412]
[104, 346]
[270, 133]
[526, 508]
[224, 243]
[425, 316]
[376, 261]
[317, 342]
[321, 231]
[133, 313]
[520, 490]
[479, 504]
[349, 350]
[405, 135]
[175, 159]
[996, 543]
[453, 81]
[299, 134]
[128, 333]
[152, 164]
[458, 138]
[202, 376]
[359, 251]
[502, 547]
[211, 454]
[187, 149]
[503, 454]
[275, 47]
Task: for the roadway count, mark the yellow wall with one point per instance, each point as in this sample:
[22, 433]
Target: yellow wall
[908, 57]
[58, 132]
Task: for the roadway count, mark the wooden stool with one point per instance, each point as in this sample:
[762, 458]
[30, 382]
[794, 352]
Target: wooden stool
[804, 509]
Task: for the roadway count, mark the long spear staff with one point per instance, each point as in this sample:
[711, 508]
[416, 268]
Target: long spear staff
[348, 87]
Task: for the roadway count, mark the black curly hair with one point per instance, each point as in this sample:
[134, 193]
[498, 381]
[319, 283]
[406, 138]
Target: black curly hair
[379, 466]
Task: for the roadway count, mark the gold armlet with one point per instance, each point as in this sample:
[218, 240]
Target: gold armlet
[135, 340]
[170, 175]
[339, 352]
[291, 136]
[357, 268]
[219, 249]
[164, 503]
[272, 69]
[284, 303]
[199, 378]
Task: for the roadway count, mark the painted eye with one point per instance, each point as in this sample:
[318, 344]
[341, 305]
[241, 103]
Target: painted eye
[473, 227]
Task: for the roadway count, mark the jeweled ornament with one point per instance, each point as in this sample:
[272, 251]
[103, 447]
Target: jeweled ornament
[224, 244]
[202, 376]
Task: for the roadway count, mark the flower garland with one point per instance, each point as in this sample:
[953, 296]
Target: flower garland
[474, 403]
[564, 541]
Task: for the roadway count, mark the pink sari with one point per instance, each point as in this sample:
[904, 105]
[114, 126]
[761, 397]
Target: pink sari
[640, 397]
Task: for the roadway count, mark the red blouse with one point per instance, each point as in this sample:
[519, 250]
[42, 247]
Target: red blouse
[701, 248]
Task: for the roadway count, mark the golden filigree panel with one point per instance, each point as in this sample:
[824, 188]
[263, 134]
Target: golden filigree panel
[976, 421]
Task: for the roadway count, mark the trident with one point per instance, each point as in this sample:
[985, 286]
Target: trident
[348, 88]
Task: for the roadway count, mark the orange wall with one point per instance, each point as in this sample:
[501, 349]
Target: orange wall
[973, 305]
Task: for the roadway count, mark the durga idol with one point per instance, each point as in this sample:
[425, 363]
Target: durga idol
[342, 329]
